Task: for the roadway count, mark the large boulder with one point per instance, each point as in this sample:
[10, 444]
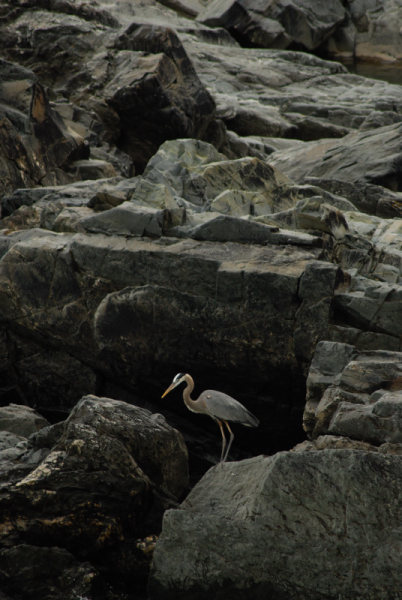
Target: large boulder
[156, 91]
[290, 526]
[92, 486]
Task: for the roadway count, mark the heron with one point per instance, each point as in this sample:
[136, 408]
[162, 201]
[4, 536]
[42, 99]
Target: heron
[221, 407]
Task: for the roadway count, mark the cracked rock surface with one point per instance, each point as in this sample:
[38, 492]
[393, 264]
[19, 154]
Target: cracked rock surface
[184, 188]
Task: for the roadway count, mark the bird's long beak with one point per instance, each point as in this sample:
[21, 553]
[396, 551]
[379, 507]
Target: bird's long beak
[170, 388]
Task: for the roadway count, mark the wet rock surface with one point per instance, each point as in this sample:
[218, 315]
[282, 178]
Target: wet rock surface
[185, 189]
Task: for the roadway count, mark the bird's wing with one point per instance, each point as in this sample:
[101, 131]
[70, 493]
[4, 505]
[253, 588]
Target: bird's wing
[225, 408]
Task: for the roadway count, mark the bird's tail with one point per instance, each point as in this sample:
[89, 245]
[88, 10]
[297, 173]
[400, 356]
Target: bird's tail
[252, 421]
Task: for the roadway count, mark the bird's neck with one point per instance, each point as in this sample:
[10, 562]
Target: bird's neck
[188, 401]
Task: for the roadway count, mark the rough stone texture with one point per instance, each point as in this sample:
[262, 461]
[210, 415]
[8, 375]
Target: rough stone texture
[105, 319]
[245, 530]
[164, 91]
[264, 226]
[34, 141]
[367, 198]
[146, 72]
[337, 442]
[21, 420]
[9, 440]
[360, 157]
[371, 32]
[112, 472]
[48, 573]
[354, 394]
[190, 190]
[275, 24]
[264, 94]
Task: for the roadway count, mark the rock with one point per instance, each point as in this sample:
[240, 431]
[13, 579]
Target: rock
[113, 471]
[21, 420]
[371, 32]
[308, 98]
[245, 24]
[54, 379]
[48, 436]
[29, 129]
[337, 442]
[284, 507]
[373, 154]
[79, 193]
[379, 423]
[127, 219]
[231, 229]
[157, 81]
[92, 169]
[146, 72]
[9, 440]
[49, 573]
[26, 217]
[354, 394]
[250, 118]
[217, 259]
[367, 198]
[190, 174]
[275, 25]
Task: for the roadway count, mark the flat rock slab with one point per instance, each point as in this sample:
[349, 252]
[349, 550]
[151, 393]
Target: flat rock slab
[291, 526]
[366, 157]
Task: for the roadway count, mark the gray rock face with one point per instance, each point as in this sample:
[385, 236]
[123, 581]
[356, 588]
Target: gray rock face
[355, 158]
[371, 32]
[217, 284]
[354, 394]
[260, 245]
[276, 24]
[146, 73]
[246, 528]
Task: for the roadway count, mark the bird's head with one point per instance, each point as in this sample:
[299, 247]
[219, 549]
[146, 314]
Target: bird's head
[180, 377]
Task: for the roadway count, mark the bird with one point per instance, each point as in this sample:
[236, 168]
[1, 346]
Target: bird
[219, 406]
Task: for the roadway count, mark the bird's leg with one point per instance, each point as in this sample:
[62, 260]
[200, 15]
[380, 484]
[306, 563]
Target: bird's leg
[230, 441]
[223, 440]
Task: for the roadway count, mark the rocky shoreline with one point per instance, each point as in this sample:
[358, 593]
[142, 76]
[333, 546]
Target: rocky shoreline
[188, 186]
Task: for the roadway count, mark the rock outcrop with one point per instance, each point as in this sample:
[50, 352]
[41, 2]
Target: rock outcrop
[85, 491]
[35, 142]
[246, 529]
[354, 394]
[172, 201]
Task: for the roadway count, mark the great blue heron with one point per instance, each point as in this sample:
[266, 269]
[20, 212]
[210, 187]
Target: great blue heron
[221, 407]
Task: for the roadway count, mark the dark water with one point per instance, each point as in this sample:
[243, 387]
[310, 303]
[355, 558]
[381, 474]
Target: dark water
[390, 72]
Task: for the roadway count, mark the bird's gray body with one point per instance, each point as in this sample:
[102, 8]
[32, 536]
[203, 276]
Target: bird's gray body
[222, 407]
[217, 405]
